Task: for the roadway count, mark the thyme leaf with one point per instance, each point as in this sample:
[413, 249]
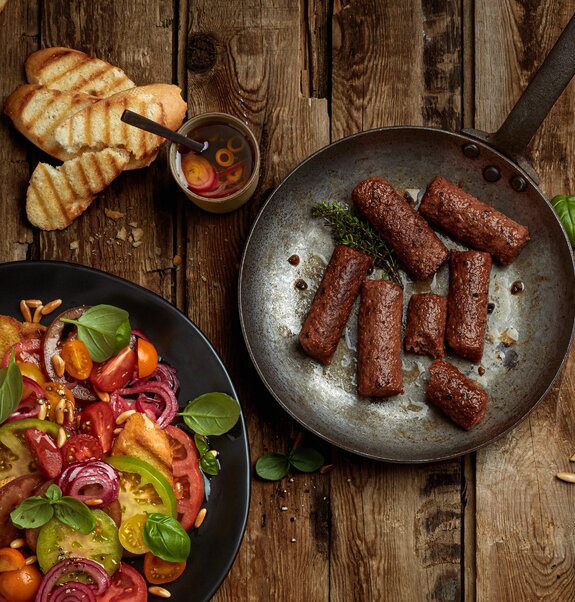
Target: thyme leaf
[347, 228]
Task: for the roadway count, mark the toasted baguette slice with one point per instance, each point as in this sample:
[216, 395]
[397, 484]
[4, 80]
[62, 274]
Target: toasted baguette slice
[99, 125]
[57, 195]
[74, 71]
[37, 111]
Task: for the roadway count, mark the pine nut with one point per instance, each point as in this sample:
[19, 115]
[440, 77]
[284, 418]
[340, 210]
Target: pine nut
[43, 412]
[25, 310]
[50, 307]
[37, 314]
[161, 592]
[102, 395]
[200, 518]
[31, 560]
[569, 477]
[95, 501]
[298, 441]
[118, 431]
[326, 468]
[124, 416]
[572, 458]
[62, 437]
[18, 543]
[59, 411]
[213, 452]
[59, 365]
[33, 303]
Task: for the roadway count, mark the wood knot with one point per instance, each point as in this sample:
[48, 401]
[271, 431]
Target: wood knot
[201, 55]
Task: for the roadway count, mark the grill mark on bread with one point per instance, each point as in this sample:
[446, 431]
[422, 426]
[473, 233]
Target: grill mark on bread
[49, 182]
[84, 177]
[75, 64]
[94, 78]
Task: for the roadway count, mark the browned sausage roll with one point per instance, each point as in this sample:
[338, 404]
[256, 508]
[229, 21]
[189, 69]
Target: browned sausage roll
[459, 397]
[379, 341]
[472, 221]
[425, 328]
[415, 243]
[332, 303]
[467, 303]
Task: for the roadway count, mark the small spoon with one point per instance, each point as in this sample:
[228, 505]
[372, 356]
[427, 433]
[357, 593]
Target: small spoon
[148, 125]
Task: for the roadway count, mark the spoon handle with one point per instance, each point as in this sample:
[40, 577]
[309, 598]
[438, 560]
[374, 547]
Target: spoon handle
[148, 125]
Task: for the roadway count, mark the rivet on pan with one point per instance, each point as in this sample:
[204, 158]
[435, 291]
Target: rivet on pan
[470, 150]
[491, 173]
[518, 183]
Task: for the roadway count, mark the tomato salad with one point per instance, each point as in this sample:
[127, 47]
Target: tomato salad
[92, 468]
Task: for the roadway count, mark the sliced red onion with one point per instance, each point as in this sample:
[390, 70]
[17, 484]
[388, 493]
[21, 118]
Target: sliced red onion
[119, 405]
[99, 476]
[164, 396]
[73, 592]
[72, 566]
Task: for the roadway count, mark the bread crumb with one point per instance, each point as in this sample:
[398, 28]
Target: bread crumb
[137, 233]
[177, 260]
[74, 245]
[136, 243]
[133, 224]
[122, 233]
[112, 214]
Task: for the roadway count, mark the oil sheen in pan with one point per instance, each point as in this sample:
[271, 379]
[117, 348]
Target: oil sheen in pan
[508, 333]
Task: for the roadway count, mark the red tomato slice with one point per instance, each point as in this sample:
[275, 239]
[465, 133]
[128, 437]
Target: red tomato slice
[147, 358]
[127, 586]
[45, 452]
[26, 350]
[116, 372]
[80, 448]
[189, 482]
[98, 420]
[77, 357]
[160, 571]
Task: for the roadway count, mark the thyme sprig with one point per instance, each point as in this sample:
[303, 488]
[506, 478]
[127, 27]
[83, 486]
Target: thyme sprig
[349, 229]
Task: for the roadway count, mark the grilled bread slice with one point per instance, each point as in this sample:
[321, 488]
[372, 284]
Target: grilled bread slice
[37, 111]
[57, 195]
[74, 71]
[99, 125]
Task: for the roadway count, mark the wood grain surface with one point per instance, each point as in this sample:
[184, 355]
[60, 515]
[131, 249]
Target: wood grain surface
[495, 526]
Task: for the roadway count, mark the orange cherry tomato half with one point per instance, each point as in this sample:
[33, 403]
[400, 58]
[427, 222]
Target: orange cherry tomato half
[147, 358]
[198, 172]
[11, 560]
[158, 571]
[77, 357]
[20, 585]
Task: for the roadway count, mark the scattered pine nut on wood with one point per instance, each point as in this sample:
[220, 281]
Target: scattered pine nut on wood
[33, 303]
[161, 592]
[37, 314]
[18, 543]
[200, 518]
[326, 468]
[50, 307]
[569, 477]
[31, 560]
[62, 437]
[124, 416]
[25, 311]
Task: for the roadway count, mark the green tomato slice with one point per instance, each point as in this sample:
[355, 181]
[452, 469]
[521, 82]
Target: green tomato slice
[16, 459]
[142, 488]
[57, 541]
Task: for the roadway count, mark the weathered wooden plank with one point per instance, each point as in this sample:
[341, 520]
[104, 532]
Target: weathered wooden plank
[141, 42]
[396, 530]
[18, 38]
[252, 60]
[525, 547]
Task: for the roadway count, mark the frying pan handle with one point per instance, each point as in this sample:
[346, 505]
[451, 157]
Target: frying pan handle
[539, 97]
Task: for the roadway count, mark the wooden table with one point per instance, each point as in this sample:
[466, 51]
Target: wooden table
[493, 526]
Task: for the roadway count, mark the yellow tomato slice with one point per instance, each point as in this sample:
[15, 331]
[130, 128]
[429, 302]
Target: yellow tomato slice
[130, 534]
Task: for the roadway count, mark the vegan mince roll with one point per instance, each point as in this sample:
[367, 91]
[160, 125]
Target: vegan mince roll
[425, 328]
[467, 302]
[333, 302]
[415, 243]
[458, 396]
[472, 221]
[379, 341]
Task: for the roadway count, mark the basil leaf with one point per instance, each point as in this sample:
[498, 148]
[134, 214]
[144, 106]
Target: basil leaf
[211, 414]
[10, 388]
[209, 464]
[31, 513]
[306, 459]
[97, 329]
[272, 467]
[564, 205]
[75, 514]
[53, 493]
[201, 444]
[123, 335]
[166, 538]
